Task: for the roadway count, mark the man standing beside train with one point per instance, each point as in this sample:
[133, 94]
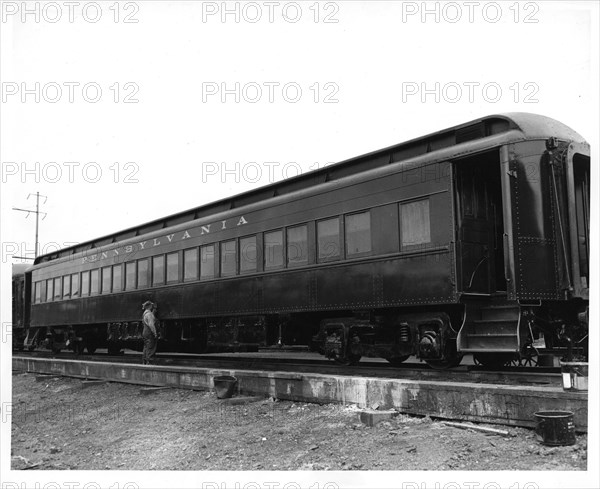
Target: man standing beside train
[149, 333]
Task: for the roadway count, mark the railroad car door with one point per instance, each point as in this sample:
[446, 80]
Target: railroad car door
[479, 224]
[531, 230]
[578, 198]
[546, 229]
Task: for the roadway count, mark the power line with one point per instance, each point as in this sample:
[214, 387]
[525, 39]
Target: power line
[37, 216]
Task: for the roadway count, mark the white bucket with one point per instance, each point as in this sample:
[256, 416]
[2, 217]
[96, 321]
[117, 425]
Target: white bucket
[574, 376]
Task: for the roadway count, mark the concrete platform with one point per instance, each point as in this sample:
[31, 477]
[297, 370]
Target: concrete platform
[485, 403]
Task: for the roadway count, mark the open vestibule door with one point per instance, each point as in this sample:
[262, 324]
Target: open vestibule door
[480, 255]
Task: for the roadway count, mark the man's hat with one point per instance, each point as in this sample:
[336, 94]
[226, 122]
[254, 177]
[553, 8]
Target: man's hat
[147, 304]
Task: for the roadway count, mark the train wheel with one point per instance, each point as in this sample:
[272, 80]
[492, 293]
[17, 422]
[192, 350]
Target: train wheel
[91, 348]
[526, 362]
[396, 361]
[493, 360]
[528, 358]
[348, 360]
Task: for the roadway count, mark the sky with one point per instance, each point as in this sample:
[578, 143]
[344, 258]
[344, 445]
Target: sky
[119, 113]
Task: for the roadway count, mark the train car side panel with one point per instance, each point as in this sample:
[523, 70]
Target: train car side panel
[539, 223]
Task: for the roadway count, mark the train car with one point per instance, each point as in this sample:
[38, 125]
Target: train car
[19, 306]
[474, 239]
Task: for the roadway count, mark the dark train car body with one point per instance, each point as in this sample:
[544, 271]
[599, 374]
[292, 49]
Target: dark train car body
[470, 240]
[20, 308]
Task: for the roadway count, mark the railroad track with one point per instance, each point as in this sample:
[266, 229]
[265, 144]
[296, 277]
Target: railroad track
[541, 376]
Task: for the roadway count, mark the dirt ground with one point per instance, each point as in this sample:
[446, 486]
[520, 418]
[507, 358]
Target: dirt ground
[58, 425]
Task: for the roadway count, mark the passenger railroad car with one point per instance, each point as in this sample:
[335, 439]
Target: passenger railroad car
[474, 239]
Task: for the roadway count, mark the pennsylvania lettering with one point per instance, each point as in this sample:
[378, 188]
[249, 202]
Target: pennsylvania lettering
[161, 240]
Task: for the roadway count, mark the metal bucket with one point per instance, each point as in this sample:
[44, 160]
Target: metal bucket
[555, 428]
[574, 375]
[224, 386]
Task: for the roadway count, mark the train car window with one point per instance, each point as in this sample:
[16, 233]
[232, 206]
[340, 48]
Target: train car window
[49, 290]
[481, 200]
[297, 246]
[130, 275]
[158, 270]
[116, 278]
[248, 254]
[58, 288]
[74, 285]
[85, 283]
[415, 226]
[473, 193]
[95, 282]
[190, 265]
[43, 291]
[106, 280]
[468, 204]
[273, 250]
[37, 293]
[207, 262]
[67, 286]
[142, 273]
[228, 258]
[328, 239]
[358, 234]
[172, 267]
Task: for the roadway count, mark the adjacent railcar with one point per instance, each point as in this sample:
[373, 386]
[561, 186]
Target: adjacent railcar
[19, 306]
[474, 239]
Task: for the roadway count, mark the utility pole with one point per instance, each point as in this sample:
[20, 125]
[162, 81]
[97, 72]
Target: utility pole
[37, 220]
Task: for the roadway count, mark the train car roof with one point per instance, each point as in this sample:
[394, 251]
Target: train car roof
[524, 125]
